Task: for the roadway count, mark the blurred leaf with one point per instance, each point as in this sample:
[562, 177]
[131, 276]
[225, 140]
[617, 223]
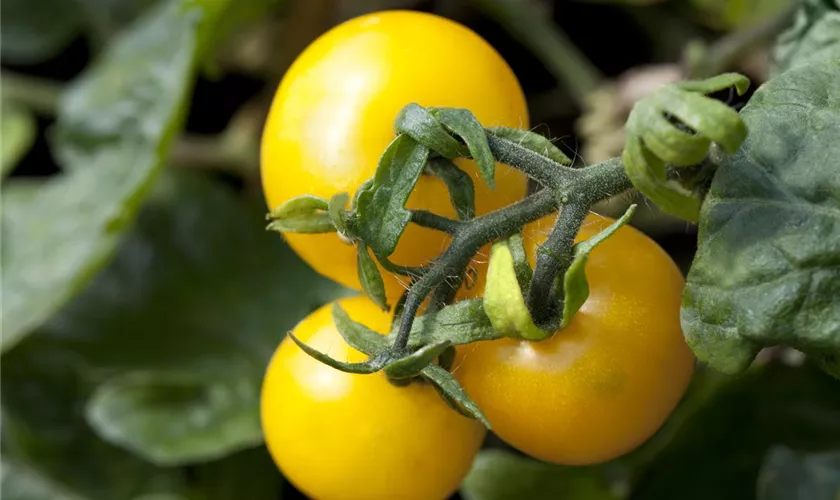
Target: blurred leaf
[814, 36]
[31, 32]
[767, 270]
[790, 475]
[118, 121]
[16, 192]
[499, 475]
[23, 483]
[717, 450]
[735, 14]
[17, 130]
[137, 411]
[247, 475]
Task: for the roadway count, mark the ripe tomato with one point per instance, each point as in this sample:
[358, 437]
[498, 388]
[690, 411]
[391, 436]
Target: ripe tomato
[333, 115]
[603, 385]
[336, 435]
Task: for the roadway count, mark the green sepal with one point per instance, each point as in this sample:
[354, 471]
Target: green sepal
[459, 184]
[575, 286]
[372, 365]
[303, 214]
[413, 364]
[463, 322]
[533, 142]
[357, 335]
[463, 123]
[423, 126]
[370, 277]
[676, 126]
[380, 206]
[338, 214]
[504, 302]
[452, 392]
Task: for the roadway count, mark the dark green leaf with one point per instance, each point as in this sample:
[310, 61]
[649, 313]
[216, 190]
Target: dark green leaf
[18, 133]
[735, 14]
[813, 37]
[767, 270]
[357, 335]
[338, 214]
[829, 362]
[790, 475]
[421, 125]
[575, 286]
[499, 475]
[370, 277]
[727, 438]
[19, 482]
[136, 411]
[459, 184]
[31, 32]
[178, 296]
[532, 141]
[411, 365]
[302, 214]
[452, 392]
[463, 123]
[70, 229]
[463, 322]
[247, 475]
[381, 207]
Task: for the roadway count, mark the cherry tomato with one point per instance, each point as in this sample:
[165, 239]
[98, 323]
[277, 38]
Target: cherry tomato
[333, 114]
[340, 436]
[603, 385]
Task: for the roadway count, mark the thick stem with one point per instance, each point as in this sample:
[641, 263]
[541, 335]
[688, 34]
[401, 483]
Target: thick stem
[434, 221]
[535, 166]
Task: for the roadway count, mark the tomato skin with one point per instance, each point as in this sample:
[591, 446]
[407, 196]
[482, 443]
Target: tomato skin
[333, 114]
[606, 383]
[340, 436]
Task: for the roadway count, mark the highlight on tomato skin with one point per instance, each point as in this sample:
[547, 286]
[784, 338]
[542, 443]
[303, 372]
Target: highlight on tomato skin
[336, 435]
[333, 115]
[606, 383]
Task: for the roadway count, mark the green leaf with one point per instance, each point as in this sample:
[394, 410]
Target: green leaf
[370, 277]
[829, 362]
[463, 123]
[453, 394]
[372, 365]
[459, 184]
[357, 335]
[186, 300]
[504, 302]
[790, 475]
[728, 436]
[382, 216]
[411, 365]
[302, 214]
[423, 126]
[767, 270]
[814, 36]
[737, 14]
[249, 474]
[120, 129]
[33, 32]
[136, 410]
[19, 482]
[460, 323]
[575, 286]
[532, 141]
[338, 214]
[499, 475]
[18, 133]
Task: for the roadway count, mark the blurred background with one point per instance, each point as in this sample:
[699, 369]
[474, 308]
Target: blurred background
[142, 296]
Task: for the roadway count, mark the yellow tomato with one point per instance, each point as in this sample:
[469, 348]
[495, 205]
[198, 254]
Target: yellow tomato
[333, 115]
[340, 436]
[602, 386]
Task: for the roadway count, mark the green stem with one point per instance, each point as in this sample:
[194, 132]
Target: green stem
[524, 21]
[432, 220]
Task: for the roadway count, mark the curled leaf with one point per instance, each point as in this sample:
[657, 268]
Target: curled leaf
[452, 392]
[411, 365]
[504, 303]
[459, 184]
[421, 125]
[575, 286]
[370, 278]
[303, 214]
[464, 124]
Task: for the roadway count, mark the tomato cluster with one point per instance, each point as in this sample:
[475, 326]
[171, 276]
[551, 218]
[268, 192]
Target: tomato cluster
[587, 395]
